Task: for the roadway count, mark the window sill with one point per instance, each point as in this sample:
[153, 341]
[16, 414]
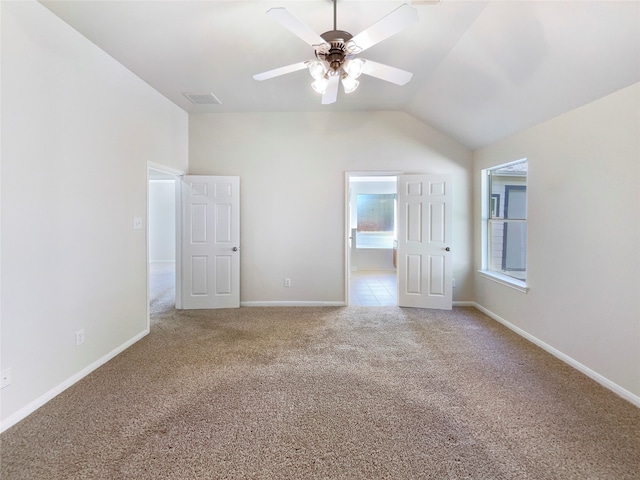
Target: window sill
[505, 280]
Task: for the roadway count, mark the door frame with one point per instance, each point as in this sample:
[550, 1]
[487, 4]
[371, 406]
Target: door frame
[347, 219]
[176, 174]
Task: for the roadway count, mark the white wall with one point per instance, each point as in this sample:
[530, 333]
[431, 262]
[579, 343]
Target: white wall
[162, 220]
[583, 238]
[77, 132]
[292, 181]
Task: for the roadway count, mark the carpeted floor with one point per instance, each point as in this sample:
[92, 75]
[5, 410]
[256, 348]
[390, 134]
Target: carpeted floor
[328, 393]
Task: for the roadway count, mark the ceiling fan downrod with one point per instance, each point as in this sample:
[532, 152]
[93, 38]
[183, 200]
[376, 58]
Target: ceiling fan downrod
[337, 39]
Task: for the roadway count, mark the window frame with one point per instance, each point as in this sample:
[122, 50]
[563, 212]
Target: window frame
[489, 202]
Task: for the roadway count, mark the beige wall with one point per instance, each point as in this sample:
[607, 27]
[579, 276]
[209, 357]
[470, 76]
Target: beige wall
[292, 169]
[77, 132]
[583, 237]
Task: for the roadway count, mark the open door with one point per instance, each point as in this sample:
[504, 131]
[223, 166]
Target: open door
[424, 241]
[210, 242]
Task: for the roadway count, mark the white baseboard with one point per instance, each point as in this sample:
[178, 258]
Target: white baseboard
[605, 382]
[57, 390]
[277, 303]
[464, 303]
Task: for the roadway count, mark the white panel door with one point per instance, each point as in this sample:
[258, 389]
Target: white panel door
[210, 243]
[424, 241]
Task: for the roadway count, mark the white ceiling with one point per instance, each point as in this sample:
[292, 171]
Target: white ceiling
[482, 69]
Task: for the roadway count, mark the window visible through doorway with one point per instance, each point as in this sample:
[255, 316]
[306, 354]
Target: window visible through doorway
[506, 221]
[375, 220]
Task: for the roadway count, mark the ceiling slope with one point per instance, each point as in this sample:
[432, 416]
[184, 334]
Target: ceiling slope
[481, 69]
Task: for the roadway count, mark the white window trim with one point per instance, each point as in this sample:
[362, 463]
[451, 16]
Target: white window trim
[502, 279]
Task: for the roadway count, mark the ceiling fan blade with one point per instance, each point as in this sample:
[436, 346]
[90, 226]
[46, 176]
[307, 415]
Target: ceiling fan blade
[389, 25]
[295, 26]
[331, 94]
[280, 71]
[387, 73]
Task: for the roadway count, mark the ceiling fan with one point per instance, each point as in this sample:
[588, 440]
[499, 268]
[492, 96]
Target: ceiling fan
[336, 51]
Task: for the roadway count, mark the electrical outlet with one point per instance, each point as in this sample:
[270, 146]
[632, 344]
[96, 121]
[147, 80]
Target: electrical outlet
[137, 223]
[287, 282]
[5, 378]
[79, 337]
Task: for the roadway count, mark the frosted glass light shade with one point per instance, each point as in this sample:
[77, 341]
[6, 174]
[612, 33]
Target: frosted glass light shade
[350, 84]
[317, 69]
[320, 85]
[353, 67]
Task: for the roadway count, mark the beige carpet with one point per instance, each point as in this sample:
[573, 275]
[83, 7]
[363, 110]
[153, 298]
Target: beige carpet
[328, 393]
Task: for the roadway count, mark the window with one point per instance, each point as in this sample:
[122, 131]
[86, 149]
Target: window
[505, 216]
[376, 218]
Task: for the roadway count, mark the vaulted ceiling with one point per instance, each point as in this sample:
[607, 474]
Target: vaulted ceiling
[481, 69]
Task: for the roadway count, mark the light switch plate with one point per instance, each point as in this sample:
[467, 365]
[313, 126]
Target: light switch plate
[5, 378]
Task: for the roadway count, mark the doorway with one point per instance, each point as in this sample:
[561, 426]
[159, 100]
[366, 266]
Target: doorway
[161, 190]
[371, 220]
[419, 255]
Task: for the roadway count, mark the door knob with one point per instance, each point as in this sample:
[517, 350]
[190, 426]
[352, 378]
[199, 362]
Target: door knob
[235, 249]
[448, 249]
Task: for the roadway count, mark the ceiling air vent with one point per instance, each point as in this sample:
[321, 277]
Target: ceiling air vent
[202, 98]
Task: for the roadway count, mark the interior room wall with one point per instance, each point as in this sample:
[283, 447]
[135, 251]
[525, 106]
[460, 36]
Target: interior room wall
[583, 238]
[77, 132]
[292, 181]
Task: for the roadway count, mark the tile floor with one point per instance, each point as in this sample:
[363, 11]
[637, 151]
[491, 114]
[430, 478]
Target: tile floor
[373, 288]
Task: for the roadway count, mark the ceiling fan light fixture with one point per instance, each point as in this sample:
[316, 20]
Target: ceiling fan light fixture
[354, 67]
[320, 85]
[349, 84]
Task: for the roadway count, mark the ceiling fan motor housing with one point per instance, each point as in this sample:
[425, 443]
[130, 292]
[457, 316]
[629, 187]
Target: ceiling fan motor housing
[337, 53]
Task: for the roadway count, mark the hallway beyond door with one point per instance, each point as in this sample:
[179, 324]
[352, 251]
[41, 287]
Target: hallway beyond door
[162, 286]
